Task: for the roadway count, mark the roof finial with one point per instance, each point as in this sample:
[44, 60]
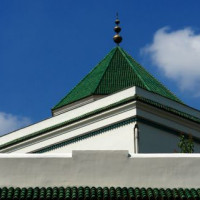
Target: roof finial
[117, 38]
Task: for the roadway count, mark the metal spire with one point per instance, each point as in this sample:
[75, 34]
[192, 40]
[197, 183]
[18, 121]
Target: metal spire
[117, 38]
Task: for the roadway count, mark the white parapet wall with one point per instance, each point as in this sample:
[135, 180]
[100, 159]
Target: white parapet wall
[100, 168]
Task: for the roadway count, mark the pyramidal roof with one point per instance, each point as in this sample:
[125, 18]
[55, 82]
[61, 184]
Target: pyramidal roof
[115, 72]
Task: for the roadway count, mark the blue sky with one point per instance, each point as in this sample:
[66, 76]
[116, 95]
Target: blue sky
[48, 46]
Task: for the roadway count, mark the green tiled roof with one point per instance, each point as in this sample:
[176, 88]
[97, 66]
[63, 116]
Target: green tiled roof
[78, 193]
[115, 72]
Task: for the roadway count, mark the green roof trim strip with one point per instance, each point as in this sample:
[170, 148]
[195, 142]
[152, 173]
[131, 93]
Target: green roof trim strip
[169, 109]
[98, 111]
[115, 72]
[87, 135]
[98, 193]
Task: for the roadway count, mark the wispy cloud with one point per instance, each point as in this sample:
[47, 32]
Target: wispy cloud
[9, 122]
[177, 54]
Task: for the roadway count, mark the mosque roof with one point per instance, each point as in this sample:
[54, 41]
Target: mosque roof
[117, 71]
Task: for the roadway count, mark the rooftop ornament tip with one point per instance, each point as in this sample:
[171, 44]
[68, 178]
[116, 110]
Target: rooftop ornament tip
[117, 38]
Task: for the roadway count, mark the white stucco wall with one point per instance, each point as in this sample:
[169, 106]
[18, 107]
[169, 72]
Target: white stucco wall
[100, 168]
[153, 140]
[118, 138]
[155, 137]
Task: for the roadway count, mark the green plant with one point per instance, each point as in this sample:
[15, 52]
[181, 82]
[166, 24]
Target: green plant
[186, 145]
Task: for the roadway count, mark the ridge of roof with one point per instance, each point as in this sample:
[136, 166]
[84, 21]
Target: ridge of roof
[124, 53]
[117, 71]
[167, 93]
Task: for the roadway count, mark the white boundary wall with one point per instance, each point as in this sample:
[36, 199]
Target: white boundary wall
[100, 168]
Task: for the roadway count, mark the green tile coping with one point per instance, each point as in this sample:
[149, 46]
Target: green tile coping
[117, 71]
[98, 111]
[98, 193]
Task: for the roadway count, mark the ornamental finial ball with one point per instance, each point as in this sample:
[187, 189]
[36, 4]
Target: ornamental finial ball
[117, 38]
[117, 29]
[117, 21]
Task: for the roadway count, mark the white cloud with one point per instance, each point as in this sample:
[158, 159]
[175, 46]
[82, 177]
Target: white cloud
[9, 122]
[177, 54]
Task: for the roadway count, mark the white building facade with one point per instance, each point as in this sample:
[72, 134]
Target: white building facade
[118, 129]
